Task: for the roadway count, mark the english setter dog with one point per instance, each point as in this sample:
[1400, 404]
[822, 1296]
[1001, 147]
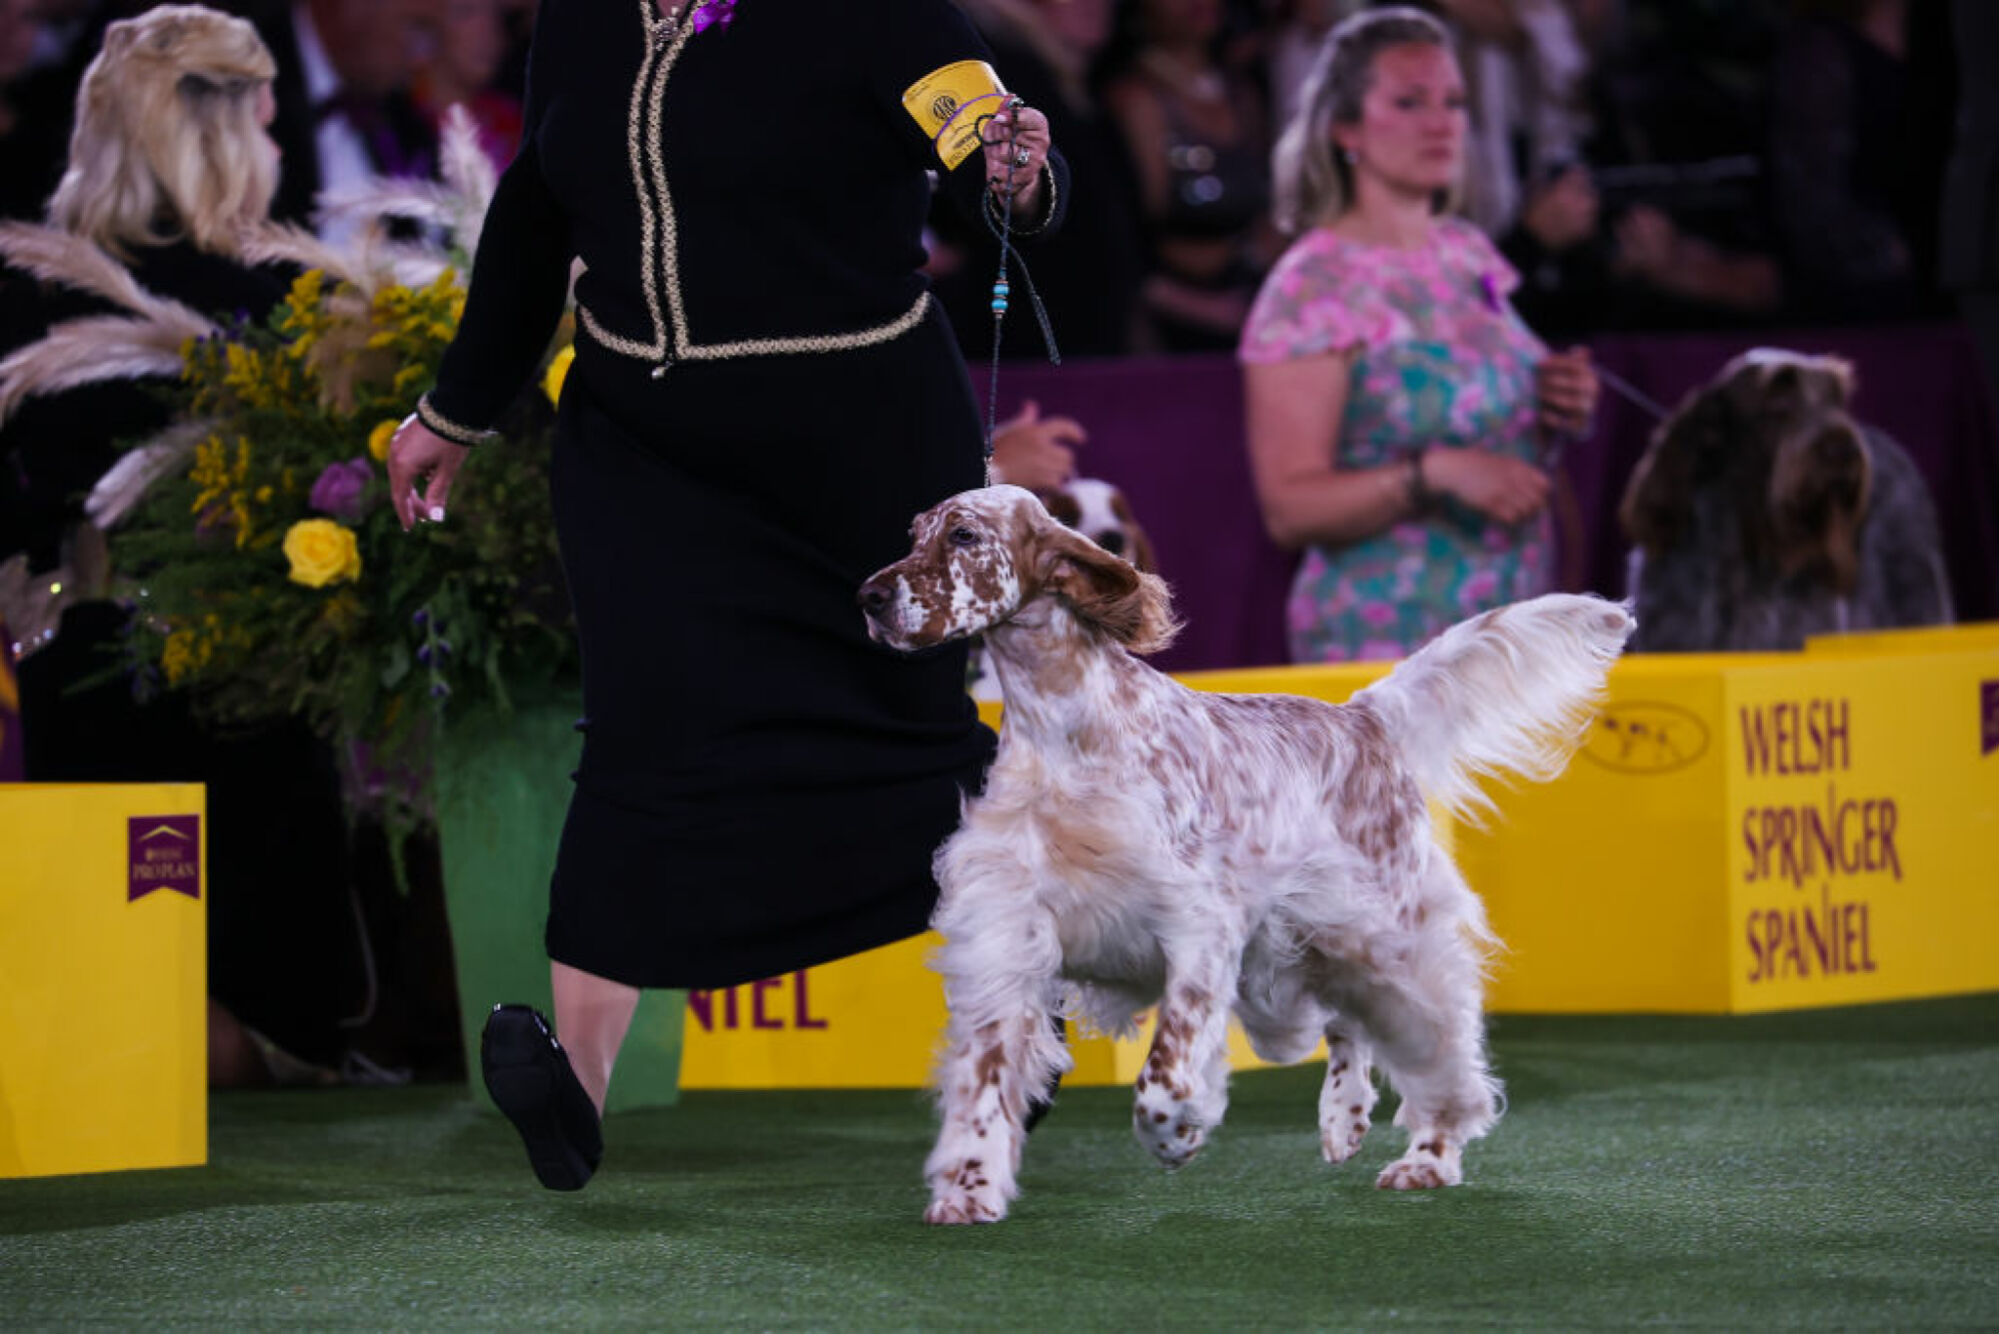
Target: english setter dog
[1138, 842]
[1762, 513]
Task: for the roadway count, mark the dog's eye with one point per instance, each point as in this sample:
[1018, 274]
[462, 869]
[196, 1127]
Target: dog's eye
[962, 536]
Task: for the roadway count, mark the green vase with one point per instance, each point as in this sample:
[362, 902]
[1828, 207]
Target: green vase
[502, 791]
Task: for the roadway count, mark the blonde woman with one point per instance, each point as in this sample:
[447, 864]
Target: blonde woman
[169, 171]
[170, 141]
[1399, 413]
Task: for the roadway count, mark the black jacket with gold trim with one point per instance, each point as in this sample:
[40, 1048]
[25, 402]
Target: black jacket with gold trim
[754, 189]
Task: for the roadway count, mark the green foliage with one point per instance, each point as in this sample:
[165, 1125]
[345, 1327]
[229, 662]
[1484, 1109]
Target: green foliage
[273, 576]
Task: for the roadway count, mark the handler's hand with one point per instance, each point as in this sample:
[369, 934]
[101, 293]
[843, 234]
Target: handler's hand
[1017, 144]
[417, 455]
[1565, 391]
[1497, 485]
[1036, 452]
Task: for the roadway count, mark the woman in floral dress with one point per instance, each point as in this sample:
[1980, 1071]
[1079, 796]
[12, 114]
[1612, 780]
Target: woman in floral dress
[1400, 415]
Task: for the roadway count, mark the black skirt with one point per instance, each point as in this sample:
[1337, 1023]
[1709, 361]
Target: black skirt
[762, 788]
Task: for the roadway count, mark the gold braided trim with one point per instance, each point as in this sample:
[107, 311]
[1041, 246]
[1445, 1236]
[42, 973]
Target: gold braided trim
[761, 347]
[649, 168]
[764, 347]
[669, 229]
[630, 347]
[636, 149]
[449, 429]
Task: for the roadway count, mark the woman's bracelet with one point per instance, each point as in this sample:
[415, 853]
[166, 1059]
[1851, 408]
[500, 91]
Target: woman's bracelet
[995, 206]
[1416, 486]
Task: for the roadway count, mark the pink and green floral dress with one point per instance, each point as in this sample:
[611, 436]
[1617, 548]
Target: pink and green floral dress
[1443, 360]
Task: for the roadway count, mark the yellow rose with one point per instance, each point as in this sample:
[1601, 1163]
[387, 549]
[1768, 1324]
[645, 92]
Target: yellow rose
[321, 552]
[378, 440]
[558, 371]
[179, 657]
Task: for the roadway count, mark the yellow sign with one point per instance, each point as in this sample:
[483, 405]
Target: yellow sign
[1757, 832]
[1916, 639]
[1863, 820]
[949, 103]
[103, 952]
[870, 1021]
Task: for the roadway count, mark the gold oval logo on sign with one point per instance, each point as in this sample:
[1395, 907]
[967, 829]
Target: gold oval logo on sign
[944, 107]
[1646, 737]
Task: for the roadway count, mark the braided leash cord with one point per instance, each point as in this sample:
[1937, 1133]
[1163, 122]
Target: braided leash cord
[1002, 288]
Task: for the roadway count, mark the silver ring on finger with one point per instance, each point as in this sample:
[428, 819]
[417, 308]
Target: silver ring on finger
[1021, 157]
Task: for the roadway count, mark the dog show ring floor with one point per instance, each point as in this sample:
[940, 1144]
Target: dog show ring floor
[1827, 1168]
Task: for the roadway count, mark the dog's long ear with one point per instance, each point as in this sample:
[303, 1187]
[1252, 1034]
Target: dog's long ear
[1685, 448]
[1061, 506]
[1104, 590]
[1819, 489]
[1142, 554]
[1138, 547]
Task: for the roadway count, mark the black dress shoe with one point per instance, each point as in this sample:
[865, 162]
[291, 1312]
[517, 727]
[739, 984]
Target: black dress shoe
[529, 1078]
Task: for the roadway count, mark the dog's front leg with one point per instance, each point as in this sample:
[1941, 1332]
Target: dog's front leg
[1182, 1092]
[984, 1085]
[1000, 962]
[1347, 1096]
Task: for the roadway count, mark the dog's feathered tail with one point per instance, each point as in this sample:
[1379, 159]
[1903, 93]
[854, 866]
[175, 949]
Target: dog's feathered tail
[1506, 692]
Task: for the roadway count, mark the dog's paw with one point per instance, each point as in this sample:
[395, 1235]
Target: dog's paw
[1427, 1166]
[958, 1208]
[1169, 1131]
[1341, 1133]
[965, 1194]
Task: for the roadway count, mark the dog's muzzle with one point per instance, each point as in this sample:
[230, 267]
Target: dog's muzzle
[877, 602]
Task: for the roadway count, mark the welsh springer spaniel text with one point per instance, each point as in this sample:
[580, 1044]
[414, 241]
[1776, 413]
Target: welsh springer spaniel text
[1140, 843]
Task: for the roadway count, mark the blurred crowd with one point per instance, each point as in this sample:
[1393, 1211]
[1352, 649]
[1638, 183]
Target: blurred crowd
[361, 89]
[1643, 163]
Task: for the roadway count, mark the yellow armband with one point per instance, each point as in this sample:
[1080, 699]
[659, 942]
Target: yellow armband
[949, 103]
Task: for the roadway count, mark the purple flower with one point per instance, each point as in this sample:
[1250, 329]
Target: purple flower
[714, 14]
[340, 489]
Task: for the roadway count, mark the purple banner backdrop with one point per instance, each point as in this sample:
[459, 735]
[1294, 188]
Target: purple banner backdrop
[1168, 431]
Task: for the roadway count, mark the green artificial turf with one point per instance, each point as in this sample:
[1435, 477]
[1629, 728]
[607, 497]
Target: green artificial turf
[1819, 1169]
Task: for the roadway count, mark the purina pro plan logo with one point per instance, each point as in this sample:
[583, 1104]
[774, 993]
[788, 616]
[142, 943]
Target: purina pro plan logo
[162, 852]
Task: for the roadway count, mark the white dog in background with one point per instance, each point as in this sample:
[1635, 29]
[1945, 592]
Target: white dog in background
[1099, 511]
[1138, 842]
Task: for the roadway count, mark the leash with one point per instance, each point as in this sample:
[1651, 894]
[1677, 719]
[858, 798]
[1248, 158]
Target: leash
[1625, 390]
[1002, 288]
[1632, 394]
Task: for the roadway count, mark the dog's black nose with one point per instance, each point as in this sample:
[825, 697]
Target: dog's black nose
[1111, 540]
[874, 598]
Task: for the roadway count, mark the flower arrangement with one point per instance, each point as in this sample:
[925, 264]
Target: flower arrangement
[271, 570]
[254, 537]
